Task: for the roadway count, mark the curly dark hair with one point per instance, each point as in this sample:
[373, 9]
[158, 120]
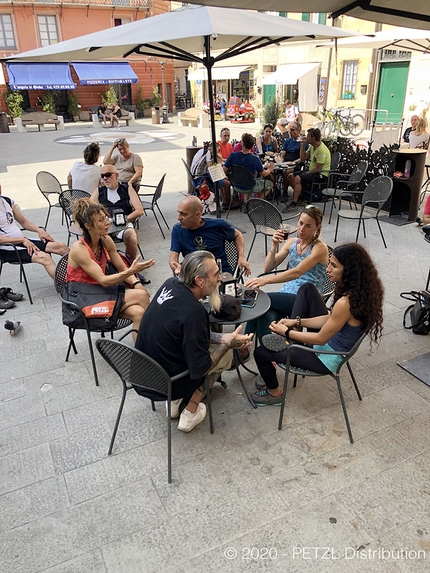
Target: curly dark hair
[84, 211]
[361, 283]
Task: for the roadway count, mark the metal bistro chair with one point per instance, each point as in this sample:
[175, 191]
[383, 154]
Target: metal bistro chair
[49, 185]
[376, 194]
[66, 200]
[241, 182]
[138, 369]
[317, 186]
[264, 217]
[151, 205]
[345, 186]
[60, 281]
[336, 375]
[19, 262]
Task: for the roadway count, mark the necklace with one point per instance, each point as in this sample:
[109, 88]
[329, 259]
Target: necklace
[303, 248]
[96, 250]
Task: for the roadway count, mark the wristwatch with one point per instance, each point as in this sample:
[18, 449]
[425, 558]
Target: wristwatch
[298, 322]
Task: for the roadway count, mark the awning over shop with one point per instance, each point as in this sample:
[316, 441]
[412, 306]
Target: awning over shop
[40, 76]
[227, 73]
[97, 73]
[306, 75]
[289, 74]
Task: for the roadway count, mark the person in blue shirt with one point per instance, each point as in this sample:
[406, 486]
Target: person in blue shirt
[196, 233]
[291, 150]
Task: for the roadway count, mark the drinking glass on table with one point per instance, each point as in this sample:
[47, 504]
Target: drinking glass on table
[285, 228]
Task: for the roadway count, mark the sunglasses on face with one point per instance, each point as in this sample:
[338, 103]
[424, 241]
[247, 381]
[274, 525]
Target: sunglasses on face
[108, 174]
[120, 140]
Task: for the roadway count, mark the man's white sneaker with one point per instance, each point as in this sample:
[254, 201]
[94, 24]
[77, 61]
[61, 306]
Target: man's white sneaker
[174, 408]
[188, 421]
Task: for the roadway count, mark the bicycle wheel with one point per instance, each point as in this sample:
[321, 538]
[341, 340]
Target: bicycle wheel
[356, 125]
[330, 129]
[345, 128]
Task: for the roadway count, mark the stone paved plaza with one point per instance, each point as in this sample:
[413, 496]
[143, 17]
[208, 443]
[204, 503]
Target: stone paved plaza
[248, 497]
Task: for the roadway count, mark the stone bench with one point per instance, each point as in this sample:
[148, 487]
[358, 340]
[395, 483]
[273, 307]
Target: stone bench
[127, 116]
[193, 117]
[39, 118]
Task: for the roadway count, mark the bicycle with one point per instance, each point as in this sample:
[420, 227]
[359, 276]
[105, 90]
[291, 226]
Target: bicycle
[334, 122]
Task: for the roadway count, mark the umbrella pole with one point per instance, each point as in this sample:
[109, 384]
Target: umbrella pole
[209, 62]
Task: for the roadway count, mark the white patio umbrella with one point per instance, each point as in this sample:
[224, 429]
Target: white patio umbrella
[190, 33]
[409, 39]
[413, 13]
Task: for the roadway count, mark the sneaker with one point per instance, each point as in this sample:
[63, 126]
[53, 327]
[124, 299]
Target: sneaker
[188, 421]
[274, 342]
[265, 398]
[260, 384]
[290, 208]
[6, 304]
[143, 280]
[7, 293]
[174, 408]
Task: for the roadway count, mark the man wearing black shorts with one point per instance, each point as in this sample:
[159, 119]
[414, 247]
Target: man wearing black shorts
[30, 250]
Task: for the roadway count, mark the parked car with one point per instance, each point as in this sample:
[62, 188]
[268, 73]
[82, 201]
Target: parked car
[238, 109]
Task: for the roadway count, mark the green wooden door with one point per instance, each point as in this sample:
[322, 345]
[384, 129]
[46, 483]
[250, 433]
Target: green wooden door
[393, 80]
[269, 93]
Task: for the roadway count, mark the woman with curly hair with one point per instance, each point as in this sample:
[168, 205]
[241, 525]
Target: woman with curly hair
[357, 308]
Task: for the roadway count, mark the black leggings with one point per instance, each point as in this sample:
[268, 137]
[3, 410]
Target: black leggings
[308, 304]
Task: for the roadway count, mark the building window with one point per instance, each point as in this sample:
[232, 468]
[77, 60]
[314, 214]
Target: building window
[7, 39]
[349, 81]
[306, 17]
[322, 18]
[47, 30]
[121, 21]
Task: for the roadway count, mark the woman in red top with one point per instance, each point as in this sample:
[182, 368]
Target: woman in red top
[88, 258]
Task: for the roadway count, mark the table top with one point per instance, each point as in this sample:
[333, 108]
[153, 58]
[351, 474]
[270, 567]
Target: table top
[262, 305]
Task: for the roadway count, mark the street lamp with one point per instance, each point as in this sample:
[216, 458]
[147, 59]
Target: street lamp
[164, 108]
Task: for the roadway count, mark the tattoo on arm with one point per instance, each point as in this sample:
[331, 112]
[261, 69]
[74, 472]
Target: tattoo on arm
[216, 338]
[217, 354]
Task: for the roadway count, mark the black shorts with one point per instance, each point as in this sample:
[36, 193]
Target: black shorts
[10, 256]
[308, 178]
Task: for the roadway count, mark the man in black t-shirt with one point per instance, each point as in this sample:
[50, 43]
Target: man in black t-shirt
[175, 332]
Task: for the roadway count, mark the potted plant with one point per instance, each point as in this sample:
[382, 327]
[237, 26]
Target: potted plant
[14, 102]
[109, 96]
[347, 94]
[156, 98]
[143, 104]
[72, 105]
[48, 103]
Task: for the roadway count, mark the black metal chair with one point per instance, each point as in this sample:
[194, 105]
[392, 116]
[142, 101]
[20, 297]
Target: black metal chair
[345, 187]
[375, 195]
[317, 187]
[241, 182]
[336, 375]
[151, 205]
[60, 281]
[264, 217]
[49, 186]
[19, 262]
[66, 200]
[138, 369]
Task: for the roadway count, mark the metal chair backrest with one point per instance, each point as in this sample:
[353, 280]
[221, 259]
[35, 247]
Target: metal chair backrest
[158, 190]
[351, 352]
[240, 176]
[67, 198]
[263, 213]
[48, 183]
[189, 174]
[60, 274]
[357, 174]
[329, 286]
[231, 254]
[335, 160]
[134, 367]
[378, 191]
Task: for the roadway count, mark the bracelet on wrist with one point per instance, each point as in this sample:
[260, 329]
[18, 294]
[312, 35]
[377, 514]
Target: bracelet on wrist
[273, 253]
[135, 283]
[287, 333]
[298, 321]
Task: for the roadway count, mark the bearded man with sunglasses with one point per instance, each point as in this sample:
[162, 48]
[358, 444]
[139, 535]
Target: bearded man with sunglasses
[116, 195]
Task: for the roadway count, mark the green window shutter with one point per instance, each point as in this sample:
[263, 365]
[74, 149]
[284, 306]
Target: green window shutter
[322, 18]
[306, 17]
[283, 14]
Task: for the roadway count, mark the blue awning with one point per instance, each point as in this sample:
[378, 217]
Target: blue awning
[96, 73]
[31, 76]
